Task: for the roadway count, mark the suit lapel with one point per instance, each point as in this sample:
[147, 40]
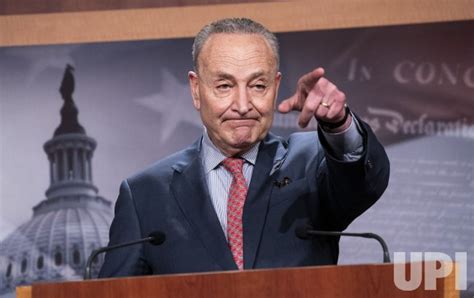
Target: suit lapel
[270, 157]
[189, 188]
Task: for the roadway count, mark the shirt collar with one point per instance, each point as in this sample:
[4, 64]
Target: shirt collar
[212, 156]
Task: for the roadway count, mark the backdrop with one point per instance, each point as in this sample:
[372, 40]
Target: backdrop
[413, 84]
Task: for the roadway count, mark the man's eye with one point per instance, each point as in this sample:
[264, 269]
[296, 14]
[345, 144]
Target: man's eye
[260, 87]
[223, 87]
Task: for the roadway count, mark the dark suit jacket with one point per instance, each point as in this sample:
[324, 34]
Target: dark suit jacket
[171, 196]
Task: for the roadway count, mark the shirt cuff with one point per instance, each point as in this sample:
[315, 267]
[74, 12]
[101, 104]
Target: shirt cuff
[347, 145]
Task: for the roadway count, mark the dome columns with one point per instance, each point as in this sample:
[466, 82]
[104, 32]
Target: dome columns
[70, 163]
[70, 158]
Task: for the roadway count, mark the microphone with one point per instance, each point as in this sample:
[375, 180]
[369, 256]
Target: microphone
[282, 183]
[154, 238]
[307, 232]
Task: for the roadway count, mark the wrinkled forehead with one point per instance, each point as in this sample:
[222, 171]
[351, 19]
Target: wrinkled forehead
[236, 50]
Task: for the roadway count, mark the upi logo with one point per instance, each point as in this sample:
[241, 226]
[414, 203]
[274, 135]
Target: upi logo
[436, 265]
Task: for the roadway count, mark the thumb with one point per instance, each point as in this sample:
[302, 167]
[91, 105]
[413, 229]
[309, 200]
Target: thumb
[286, 105]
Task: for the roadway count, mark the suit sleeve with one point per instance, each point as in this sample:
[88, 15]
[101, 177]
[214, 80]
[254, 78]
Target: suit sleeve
[348, 188]
[126, 261]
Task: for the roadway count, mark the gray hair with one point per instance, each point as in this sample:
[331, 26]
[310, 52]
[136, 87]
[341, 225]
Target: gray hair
[234, 25]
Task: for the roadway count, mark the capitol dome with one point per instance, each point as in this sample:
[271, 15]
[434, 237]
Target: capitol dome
[71, 222]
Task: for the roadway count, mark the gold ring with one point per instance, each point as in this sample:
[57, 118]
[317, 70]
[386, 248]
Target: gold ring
[325, 104]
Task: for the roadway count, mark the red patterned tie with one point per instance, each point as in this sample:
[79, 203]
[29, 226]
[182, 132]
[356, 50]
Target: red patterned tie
[235, 207]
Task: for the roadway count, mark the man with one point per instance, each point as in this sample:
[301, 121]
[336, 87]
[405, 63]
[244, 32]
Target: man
[234, 198]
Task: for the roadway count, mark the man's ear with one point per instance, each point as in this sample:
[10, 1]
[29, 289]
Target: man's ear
[194, 86]
[278, 79]
[277, 83]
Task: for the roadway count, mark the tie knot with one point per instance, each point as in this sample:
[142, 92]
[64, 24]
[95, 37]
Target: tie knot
[233, 165]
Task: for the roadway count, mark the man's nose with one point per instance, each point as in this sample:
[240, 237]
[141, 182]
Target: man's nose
[242, 101]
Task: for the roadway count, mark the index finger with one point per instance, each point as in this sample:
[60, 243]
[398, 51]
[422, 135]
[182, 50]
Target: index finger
[309, 79]
[303, 87]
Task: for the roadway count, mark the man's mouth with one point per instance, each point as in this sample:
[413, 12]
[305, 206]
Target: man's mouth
[241, 121]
